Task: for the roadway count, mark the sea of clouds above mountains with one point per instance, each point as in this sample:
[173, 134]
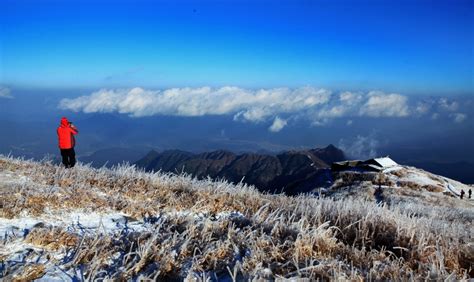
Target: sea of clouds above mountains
[279, 106]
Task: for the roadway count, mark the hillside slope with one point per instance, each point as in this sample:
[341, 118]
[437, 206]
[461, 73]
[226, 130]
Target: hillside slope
[401, 184]
[291, 172]
[124, 224]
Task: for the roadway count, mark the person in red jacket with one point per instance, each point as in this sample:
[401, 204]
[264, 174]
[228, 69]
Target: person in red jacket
[66, 132]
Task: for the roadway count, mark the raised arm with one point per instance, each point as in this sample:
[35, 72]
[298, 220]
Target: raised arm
[74, 129]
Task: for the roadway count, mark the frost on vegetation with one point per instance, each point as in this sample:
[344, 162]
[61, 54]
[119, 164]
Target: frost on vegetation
[125, 224]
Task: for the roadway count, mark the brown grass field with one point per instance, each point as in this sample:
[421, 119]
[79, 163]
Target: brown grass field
[208, 230]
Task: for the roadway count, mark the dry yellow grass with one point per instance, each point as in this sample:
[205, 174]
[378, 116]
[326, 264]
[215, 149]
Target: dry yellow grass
[51, 238]
[30, 273]
[274, 236]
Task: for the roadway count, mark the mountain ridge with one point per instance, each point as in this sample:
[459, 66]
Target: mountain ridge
[291, 172]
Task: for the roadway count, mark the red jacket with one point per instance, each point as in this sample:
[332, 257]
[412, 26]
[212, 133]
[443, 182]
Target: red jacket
[66, 133]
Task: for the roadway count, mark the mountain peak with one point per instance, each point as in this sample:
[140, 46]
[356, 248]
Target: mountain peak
[331, 147]
[329, 154]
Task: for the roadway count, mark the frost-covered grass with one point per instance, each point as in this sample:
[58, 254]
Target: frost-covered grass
[123, 223]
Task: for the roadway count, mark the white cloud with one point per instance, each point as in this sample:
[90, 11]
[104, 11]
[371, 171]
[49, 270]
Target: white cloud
[244, 104]
[459, 117]
[448, 105]
[442, 108]
[372, 104]
[350, 97]
[320, 122]
[5, 92]
[434, 116]
[380, 104]
[422, 108]
[277, 125]
[279, 105]
[334, 111]
[361, 148]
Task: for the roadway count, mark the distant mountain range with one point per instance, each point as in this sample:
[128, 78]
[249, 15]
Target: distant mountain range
[291, 172]
[112, 156]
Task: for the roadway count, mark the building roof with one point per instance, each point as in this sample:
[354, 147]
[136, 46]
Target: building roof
[385, 162]
[373, 167]
[376, 164]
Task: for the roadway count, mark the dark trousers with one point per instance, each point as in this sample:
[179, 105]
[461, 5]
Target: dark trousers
[69, 157]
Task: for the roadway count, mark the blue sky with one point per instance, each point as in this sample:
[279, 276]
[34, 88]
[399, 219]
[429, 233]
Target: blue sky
[409, 47]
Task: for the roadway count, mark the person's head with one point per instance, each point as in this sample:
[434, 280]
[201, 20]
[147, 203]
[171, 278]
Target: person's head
[64, 121]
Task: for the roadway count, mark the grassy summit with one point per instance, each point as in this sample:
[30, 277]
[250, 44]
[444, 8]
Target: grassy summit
[123, 223]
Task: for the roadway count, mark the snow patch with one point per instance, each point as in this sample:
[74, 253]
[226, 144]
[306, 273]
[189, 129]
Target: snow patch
[420, 178]
[16, 227]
